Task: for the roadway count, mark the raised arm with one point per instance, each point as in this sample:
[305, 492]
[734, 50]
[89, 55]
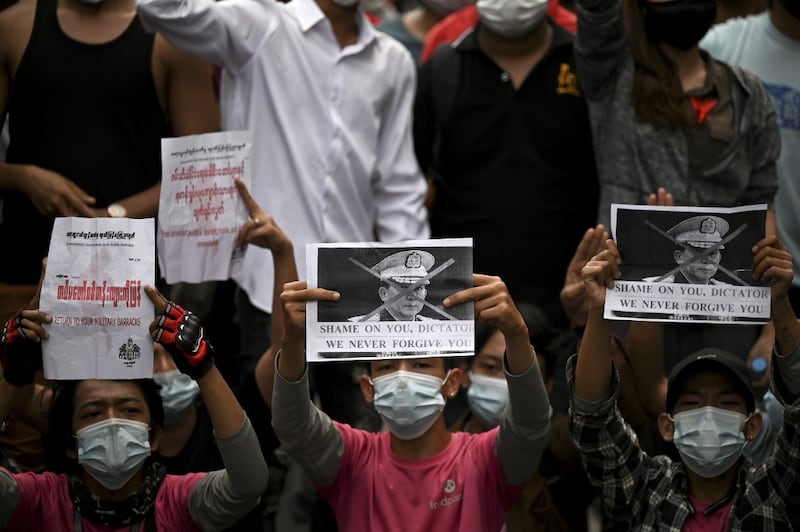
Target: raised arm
[601, 46]
[525, 428]
[227, 34]
[222, 497]
[593, 368]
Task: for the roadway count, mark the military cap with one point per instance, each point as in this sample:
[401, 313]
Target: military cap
[405, 266]
[700, 231]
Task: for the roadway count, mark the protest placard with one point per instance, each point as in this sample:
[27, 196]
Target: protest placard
[688, 264]
[200, 212]
[94, 288]
[391, 300]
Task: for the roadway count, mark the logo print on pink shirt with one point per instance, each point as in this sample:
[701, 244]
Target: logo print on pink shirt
[449, 486]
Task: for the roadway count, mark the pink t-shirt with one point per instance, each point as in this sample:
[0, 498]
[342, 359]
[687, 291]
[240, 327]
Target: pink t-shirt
[461, 488]
[44, 504]
[717, 521]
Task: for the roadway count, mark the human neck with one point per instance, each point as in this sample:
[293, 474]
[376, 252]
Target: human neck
[690, 66]
[130, 487]
[711, 490]
[419, 21]
[177, 434]
[783, 21]
[343, 21]
[535, 43]
[434, 441]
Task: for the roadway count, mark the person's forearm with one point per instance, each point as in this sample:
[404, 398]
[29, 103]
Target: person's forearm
[520, 354]
[223, 408]
[593, 369]
[143, 204]
[11, 175]
[787, 328]
[292, 360]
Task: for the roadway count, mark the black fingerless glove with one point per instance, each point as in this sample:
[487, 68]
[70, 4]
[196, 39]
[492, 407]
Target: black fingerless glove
[181, 333]
[21, 358]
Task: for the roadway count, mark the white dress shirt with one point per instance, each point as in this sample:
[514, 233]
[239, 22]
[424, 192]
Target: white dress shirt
[333, 157]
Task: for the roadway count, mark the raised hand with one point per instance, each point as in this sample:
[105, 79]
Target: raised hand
[599, 274]
[21, 347]
[773, 263]
[54, 195]
[493, 304]
[573, 293]
[661, 197]
[261, 229]
[181, 334]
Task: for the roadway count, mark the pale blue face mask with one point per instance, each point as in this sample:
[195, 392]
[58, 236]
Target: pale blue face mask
[178, 392]
[709, 439]
[113, 450]
[487, 398]
[409, 402]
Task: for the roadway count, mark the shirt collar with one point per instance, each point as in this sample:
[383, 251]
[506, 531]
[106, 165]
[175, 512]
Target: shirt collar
[309, 15]
[469, 39]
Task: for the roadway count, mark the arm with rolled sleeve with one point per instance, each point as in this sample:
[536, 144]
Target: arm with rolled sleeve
[399, 186]
[226, 34]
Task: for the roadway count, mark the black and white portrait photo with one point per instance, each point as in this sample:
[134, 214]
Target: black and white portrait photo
[688, 264]
[391, 299]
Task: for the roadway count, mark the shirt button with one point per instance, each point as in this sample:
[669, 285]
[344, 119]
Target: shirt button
[504, 77]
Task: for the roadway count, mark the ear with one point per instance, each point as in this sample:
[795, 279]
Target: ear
[666, 427]
[752, 428]
[678, 256]
[367, 389]
[453, 382]
[155, 438]
[382, 293]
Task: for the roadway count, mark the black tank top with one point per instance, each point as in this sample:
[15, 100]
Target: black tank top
[89, 112]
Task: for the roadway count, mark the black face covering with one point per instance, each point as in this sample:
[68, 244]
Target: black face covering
[792, 7]
[679, 23]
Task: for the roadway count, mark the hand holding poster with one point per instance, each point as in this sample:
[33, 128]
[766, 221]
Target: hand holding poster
[391, 300]
[93, 289]
[688, 264]
[200, 212]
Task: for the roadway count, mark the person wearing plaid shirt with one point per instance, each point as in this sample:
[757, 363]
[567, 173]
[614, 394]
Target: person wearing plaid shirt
[710, 414]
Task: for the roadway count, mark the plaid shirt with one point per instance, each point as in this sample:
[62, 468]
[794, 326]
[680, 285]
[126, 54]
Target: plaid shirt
[640, 492]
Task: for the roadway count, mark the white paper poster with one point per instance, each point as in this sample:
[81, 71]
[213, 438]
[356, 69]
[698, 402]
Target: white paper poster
[94, 289]
[688, 264]
[391, 300]
[200, 211]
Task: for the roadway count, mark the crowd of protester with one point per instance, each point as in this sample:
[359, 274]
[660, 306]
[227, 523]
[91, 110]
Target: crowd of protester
[516, 123]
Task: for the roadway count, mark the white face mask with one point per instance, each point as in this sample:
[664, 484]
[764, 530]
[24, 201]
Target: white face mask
[709, 439]
[409, 402]
[178, 392]
[511, 18]
[487, 398]
[113, 450]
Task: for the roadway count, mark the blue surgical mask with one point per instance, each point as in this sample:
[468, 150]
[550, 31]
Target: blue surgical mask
[487, 398]
[409, 402]
[709, 439]
[113, 450]
[178, 392]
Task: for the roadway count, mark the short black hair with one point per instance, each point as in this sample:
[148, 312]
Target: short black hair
[60, 436]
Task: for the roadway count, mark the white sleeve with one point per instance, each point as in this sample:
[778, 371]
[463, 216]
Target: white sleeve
[399, 186]
[226, 33]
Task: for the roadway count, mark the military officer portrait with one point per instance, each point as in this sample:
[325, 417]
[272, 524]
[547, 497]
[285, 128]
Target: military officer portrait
[692, 238]
[401, 293]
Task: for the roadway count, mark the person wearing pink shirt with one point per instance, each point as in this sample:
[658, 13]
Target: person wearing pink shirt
[416, 475]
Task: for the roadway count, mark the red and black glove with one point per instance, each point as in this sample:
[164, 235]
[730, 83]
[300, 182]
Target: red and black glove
[21, 357]
[181, 333]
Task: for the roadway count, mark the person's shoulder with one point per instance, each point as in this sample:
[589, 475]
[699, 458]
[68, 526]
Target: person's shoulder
[420, 317]
[720, 283]
[16, 25]
[374, 317]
